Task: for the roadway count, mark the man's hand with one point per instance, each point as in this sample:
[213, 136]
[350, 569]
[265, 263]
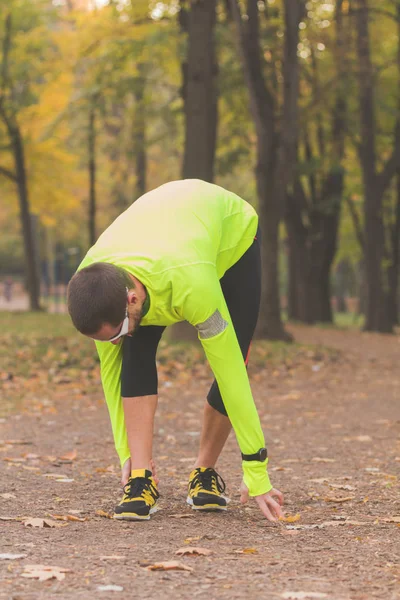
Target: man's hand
[126, 472]
[268, 506]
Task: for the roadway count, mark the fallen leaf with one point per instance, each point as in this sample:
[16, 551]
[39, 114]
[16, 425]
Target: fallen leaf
[11, 518]
[16, 442]
[43, 572]
[169, 565]
[338, 486]
[291, 518]
[110, 588]
[113, 557]
[68, 518]
[196, 538]
[191, 550]
[323, 460]
[37, 522]
[391, 520]
[333, 499]
[303, 595]
[12, 556]
[69, 455]
[102, 513]
[246, 551]
[183, 516]
[7, 496]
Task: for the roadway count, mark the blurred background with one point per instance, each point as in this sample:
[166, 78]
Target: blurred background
[292, 104]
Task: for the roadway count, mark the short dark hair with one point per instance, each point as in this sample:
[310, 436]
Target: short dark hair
[96, 295]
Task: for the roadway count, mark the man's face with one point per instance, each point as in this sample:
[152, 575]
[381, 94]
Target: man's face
[134, 313]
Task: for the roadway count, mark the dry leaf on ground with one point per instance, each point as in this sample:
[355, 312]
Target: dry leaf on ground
[246, 551]
[291, 518]
[303, 595]
[338, 486]
[36, 522]
[7, 496]
[169, 565]
[12, 556]
[391, 520]
[333, 499]
[44, 572]
[183, 516]
[68, 518]
[102, 513]
[11, 519]
[323, 460]
[69, 455]
[191, 550]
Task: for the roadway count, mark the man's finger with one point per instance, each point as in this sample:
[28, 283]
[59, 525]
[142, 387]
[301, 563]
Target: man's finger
[264, 508]
[274, 507]
[279, 495]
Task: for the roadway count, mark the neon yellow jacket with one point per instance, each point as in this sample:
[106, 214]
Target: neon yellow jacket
[179, 240]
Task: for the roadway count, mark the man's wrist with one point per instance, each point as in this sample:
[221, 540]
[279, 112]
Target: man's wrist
[256, 478]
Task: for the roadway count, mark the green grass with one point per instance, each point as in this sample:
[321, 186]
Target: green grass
[36, 324]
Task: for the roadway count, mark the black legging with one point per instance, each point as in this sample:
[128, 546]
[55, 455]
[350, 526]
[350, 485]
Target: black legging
[241, 286]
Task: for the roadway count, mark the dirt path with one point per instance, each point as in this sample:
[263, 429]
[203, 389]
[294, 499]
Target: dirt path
[332, 428]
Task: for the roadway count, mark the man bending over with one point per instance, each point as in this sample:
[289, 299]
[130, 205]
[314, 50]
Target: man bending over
[186, 251]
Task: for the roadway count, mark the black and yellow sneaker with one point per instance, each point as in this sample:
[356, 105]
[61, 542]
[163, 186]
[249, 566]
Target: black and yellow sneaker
[140, 497]
[206, 490]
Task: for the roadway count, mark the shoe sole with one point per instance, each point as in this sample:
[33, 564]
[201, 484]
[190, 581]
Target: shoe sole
[133, 516]
[205, 507]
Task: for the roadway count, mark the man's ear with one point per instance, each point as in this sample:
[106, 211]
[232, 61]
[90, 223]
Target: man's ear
[132, 297]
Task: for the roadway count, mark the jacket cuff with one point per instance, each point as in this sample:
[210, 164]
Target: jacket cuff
[124, 454]
[255, 477]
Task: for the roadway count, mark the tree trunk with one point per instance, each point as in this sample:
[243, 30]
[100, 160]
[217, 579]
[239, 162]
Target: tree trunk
[92, 174]
[393, 269]
[375, 184]
[200, 92]
[31, 265]
[275, 152]
[139, 133]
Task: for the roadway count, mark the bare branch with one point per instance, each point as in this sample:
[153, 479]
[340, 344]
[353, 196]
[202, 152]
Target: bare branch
[9, 174]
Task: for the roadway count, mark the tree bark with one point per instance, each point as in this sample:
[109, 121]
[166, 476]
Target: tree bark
[19, 176]
[200, 92]
[92, 173]
[29, 246]
[139, 133]
[275, 149]
[393, 269]
[377, 317]
[312, 220]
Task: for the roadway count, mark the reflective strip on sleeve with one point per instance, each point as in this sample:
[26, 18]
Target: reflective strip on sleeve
[213, 326]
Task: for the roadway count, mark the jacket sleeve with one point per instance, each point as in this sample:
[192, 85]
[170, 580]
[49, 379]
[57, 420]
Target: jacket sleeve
[204, 307]
[111, 362]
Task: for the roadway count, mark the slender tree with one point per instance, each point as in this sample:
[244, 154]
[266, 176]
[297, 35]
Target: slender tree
[276, 142]
[313, 211]
[9, 116]
[375, 181]
[200, 91]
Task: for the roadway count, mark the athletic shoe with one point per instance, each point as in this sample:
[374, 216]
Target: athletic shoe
[205, 490]
[140, 497]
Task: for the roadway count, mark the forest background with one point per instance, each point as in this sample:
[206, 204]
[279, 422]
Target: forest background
[293, 105]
